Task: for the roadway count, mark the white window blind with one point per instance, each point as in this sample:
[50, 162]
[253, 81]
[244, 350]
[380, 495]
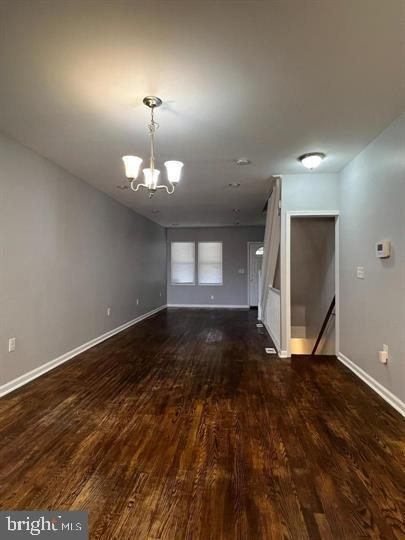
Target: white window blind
[182, 262]
[210, 263]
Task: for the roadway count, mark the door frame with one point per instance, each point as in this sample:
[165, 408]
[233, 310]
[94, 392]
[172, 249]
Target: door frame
[248, 268]
[287, 298]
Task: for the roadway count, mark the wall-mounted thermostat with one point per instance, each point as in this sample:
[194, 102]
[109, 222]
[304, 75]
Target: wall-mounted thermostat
[383, 249]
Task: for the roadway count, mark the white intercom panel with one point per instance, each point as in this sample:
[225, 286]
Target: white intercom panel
[383, 249]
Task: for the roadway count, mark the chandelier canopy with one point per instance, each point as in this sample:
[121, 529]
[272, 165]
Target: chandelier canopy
[151, 174]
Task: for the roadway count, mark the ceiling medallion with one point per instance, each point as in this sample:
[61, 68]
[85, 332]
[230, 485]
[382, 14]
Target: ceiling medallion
[151, 174]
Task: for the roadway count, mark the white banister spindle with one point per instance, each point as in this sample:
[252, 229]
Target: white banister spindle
[271, 317]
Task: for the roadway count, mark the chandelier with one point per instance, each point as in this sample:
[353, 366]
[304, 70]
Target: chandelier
[151, 174]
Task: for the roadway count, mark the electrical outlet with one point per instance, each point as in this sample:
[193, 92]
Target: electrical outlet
[11, 344]
[108, 312]
[212, 297]
[137, 301]
[160, 294]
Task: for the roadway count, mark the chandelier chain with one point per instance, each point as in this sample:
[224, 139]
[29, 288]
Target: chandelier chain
[153, 127]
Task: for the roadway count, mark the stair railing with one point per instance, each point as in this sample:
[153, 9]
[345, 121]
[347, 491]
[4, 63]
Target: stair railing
[325, 322]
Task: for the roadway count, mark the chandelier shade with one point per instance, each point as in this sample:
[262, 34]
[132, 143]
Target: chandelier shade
[173, 169]
[132, 164]
[151, 177]
[151, 174]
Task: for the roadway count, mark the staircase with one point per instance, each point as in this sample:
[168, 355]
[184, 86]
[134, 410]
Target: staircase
[301, 343]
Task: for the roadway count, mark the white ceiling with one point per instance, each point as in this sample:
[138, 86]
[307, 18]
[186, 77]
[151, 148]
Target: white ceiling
[268, 80]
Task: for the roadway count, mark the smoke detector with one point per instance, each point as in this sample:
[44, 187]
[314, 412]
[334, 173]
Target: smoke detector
[242, 161]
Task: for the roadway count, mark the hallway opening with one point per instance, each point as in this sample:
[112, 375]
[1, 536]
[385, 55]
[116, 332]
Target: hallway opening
[312, 285]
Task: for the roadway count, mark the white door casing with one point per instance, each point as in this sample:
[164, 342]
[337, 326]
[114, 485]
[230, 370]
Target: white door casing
[286, 269]
[254, 265]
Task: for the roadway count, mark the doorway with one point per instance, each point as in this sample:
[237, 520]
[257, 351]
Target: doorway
[313, 284]
[255, 259]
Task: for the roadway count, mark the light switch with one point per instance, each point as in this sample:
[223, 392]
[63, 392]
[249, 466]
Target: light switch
[360, 272]
[383, 355]
[11, 344]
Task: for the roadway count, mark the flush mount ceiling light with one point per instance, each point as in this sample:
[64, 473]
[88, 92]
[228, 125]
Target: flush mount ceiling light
[312, 160]
[234, 184]
[151, 174]
[236, 210]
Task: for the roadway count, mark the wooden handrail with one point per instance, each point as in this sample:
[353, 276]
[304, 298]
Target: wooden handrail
[325, 322]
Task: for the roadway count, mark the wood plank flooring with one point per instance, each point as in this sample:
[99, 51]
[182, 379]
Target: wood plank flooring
[183, 428]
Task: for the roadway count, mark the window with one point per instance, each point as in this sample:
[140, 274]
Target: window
[210, 263]
[182, 263]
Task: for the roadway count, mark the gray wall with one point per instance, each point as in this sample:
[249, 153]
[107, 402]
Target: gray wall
[234, 288]
[313, 278]
[67, 253]
[370, 194]
[303, 192]
[372, 201]
[310, 191]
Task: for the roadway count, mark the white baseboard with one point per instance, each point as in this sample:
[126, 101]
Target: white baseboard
[37, 372]
[214, 306]
[281, 353]
[273, 337]
[388, 396]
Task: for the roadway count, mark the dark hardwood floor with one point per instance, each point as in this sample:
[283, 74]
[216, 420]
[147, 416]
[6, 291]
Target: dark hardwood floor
[182, 427]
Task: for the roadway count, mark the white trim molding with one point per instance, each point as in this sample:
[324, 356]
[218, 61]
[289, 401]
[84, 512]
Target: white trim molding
[37, 372]
[248, 274]
[286, 267]
[383, 392]
[205, 306]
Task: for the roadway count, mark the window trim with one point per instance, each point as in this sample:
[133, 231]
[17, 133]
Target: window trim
[222, 263]
[188, 283]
